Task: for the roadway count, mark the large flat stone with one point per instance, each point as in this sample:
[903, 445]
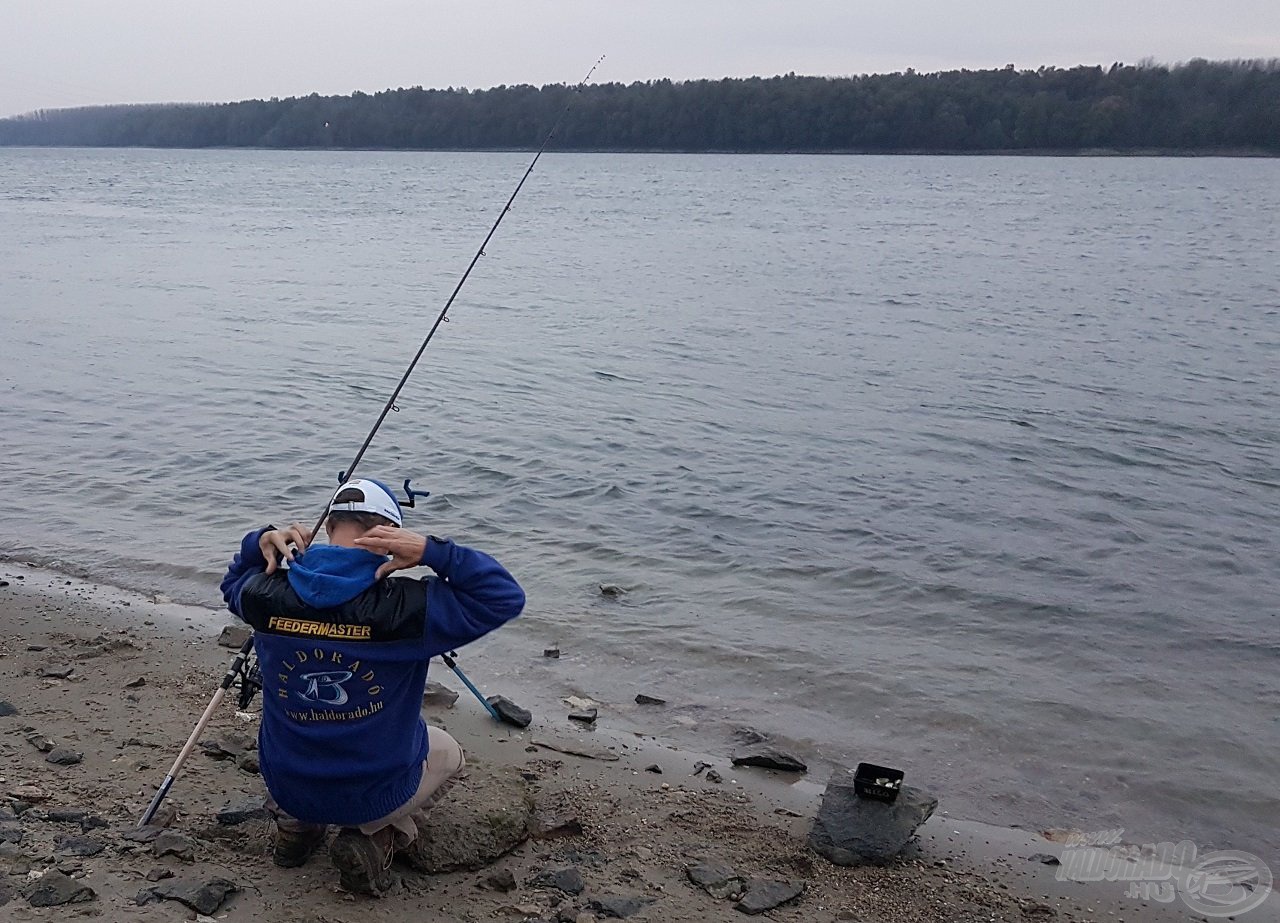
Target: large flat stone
[484, 817]
[53, 889]
[859, 831]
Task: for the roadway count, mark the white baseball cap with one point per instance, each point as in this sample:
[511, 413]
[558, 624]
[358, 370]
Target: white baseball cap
[365, 495]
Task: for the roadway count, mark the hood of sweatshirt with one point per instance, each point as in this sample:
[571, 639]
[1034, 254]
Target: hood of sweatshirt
[330, 575]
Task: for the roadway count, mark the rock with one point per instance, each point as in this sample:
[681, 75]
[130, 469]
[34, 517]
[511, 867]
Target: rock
[248, 762]
[202, 897]
[1044, 859]
[713, 776]
[438, 695]
[767, 756]
[502, 880]
[529, 912]
[612, 590]
[620, 906]
[239, 812]
[569, 880]
[642, 699]
[53, 889]
[573, 748]
[7, 709]
[765, 895]
[486, 817]
[510, 712]
[63, 756]
[65, 816]
[699, 766]
[136, 683]
[159, 873]
[717, 879]
[11, 833]
[547, 826]
[234, 636]
[655, 769]
[860, 831]
[227, 746]
[58, 671]
[145, 834]
[585, 917]
[173, 843]
[80, 846]
[32, 794]
[552, 652]
[585, 715]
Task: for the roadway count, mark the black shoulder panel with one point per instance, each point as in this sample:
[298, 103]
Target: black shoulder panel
[393, 609]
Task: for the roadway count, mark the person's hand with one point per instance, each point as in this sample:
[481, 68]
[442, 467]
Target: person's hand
[283, 544]
[406, 548]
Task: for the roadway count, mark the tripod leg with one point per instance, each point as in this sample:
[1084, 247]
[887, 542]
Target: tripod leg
[232, 672]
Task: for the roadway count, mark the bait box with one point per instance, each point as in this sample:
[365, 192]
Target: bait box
[879, 783]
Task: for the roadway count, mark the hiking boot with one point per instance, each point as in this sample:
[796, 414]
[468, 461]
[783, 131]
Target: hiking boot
[364, 861]
[295, 847]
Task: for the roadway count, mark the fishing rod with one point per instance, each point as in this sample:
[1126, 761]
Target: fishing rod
[243, 666]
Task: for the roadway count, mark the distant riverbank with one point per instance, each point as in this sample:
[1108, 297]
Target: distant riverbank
[1201, 107]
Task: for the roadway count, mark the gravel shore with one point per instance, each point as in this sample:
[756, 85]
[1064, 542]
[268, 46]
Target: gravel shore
[104, 689]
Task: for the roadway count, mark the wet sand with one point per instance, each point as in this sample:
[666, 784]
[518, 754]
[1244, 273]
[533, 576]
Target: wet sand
[140, 673]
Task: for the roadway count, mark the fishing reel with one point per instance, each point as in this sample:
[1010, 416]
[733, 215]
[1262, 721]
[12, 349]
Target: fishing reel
[248, 681]
[410, 495]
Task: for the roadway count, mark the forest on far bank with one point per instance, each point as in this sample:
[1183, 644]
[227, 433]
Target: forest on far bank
[1196, 107]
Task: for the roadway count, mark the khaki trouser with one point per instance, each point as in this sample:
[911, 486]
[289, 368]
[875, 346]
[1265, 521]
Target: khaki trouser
[444, 761]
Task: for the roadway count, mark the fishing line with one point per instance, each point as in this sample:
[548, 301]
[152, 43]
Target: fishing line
[444, 312]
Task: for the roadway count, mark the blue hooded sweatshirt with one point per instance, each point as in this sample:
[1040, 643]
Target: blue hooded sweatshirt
[344, 663]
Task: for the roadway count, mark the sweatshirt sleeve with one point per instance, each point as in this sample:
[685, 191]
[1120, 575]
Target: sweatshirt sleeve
[471, 596]
[247, 562]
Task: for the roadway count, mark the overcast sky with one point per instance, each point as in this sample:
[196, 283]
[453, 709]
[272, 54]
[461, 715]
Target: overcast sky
[57, 53]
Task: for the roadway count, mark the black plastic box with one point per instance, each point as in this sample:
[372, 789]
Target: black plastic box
[879, 783]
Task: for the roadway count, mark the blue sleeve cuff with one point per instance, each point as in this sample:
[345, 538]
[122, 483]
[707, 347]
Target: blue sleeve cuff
[250, 552]
[436, 554]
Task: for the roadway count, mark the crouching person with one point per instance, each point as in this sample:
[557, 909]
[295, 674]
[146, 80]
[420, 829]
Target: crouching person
[343, 652]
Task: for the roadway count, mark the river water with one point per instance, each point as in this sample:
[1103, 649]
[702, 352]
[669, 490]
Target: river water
[964, 465]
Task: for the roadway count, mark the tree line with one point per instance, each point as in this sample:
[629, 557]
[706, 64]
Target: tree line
[1196, 107]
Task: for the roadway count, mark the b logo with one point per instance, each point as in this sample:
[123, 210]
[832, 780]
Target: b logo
[326, 688]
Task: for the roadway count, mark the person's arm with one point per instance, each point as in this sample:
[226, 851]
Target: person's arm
[249, 560]
[472, 595]
[260, 552]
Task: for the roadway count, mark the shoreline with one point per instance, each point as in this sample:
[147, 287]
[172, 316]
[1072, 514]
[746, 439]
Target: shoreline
[959, 870]
[1075, 153]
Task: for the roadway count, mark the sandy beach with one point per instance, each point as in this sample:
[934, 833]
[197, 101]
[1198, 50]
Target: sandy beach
[105, 687]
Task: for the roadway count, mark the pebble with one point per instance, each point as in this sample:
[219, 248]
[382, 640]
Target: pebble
[766, 895]
[234, 813]
[642, 699]
[81, 846]
[501, 880]
[569, 880]
[63, 756]
[173, 843]
[234, 636]
[53, 889]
